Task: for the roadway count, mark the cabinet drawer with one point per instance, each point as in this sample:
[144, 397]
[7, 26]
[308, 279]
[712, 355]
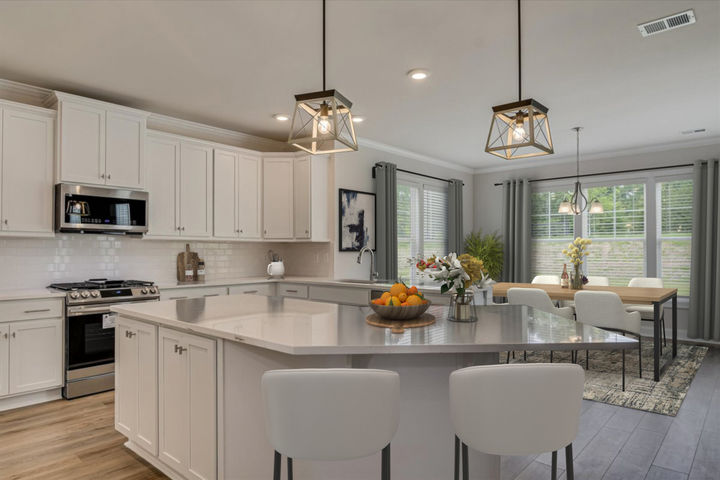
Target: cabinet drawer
[265, 289]
[195, 292]
[31, 309]
[342, 295]
[292, 290]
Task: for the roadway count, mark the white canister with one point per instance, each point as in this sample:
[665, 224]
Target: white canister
[276, 269]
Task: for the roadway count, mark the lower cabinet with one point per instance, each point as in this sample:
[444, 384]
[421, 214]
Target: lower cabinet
[187, 400]
[192, 292]
[4, 357]
[30, 355]
[136, 411]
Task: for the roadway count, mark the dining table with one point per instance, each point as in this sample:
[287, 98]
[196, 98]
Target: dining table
[656, 297]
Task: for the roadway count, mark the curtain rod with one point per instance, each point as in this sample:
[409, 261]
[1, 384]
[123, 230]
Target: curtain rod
[418, 174]
[606, 173]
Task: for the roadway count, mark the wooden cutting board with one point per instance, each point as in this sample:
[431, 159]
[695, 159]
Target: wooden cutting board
[399, 326]
[187, 258]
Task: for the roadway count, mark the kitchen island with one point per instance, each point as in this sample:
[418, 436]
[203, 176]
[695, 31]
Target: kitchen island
[188, 378]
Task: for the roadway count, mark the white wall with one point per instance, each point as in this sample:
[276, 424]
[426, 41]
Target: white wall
[353, 170]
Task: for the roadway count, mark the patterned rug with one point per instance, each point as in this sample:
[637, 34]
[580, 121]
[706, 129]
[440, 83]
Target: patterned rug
[603, 382]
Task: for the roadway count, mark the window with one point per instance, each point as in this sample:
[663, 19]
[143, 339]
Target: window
[618, 235]
[550, 232]
[422, 210]
[674, 220]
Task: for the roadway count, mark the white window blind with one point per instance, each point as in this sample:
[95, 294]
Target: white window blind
[550, 233]
[674, 220]
[422, 211]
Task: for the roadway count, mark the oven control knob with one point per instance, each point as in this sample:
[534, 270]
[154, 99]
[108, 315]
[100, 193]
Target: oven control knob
[84, 294]
[153, 290]
[144, 291]
[95, 293]
[74, 295]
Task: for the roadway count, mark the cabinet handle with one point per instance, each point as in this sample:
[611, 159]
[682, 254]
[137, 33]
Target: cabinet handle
[13, 334]
[102, 175]
[178, 229]
[6, 335]
[38, 310]
[179, 350]
[177, 298]
[250, 291]
[6, 221]
[108, 176]
[265, 232]
[240, 229]
[129, 334]
[306, 232]
[182, 228]
[291, 291]
[211, 295]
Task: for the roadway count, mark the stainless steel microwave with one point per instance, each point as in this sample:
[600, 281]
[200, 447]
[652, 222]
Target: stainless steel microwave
[83, 209]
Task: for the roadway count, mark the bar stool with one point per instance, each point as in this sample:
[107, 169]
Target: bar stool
[330, 414]
[490, 413]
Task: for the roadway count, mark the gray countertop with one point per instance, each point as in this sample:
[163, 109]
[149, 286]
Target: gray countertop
[302, 327]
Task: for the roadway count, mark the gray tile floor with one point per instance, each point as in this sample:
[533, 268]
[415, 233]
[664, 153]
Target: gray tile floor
[616, 443]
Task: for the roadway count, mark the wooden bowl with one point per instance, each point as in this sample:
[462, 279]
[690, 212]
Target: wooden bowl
[400, 313]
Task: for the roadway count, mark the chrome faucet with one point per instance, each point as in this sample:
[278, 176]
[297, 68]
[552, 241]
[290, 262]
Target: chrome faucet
[373, 273]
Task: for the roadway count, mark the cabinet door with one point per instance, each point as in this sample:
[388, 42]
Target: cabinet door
[162, 157]
[124, 152]
[172, 392]
[278, 197]
[4, 357]
[202, 460]
[225, 189]
[301, 201]
[146, 434]
[195, 190]
[126, 382]
[249, 198]
[82, 143]
[27, 172]
[35, 355]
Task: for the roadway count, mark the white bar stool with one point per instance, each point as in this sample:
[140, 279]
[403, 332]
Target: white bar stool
[330, 414]
[490, 412]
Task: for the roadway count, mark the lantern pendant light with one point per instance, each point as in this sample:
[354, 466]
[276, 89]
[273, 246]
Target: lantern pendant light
[322, 121]
[578, 202]
[520, 129]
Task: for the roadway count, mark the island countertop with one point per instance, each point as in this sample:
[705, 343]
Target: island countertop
[301, 327]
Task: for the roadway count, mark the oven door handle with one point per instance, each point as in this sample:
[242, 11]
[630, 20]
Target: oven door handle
[86, 311]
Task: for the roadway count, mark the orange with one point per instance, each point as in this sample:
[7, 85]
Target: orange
[412, 291]
[397, 289]
[378, 301]
[414, 300]
[385, 297]
[404, 304]
[394, 301]
[403, 297]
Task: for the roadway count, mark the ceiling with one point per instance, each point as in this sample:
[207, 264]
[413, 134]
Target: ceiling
[233, 64]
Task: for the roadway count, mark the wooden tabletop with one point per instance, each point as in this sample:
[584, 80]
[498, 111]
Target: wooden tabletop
[627, 294]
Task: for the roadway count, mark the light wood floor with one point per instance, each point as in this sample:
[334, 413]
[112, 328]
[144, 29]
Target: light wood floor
[65, 440]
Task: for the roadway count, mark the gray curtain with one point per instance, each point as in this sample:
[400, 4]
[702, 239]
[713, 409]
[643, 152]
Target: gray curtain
[456, 240]
[704, 318]
[516, 230]
[386, 220]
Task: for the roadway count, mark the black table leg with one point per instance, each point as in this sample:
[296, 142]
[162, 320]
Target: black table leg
[674, 326]
[657, 338]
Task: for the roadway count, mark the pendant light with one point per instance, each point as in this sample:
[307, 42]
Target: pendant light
[578, 202]
[520, 129]
[322, 121]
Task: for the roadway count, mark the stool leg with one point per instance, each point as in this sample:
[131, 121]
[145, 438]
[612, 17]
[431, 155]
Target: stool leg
[640, 354]
[623, 369]
[551, 356]
[569, 469]
[587, 359]
[525, 355]
[508, 357]
[277, 467]
[457, 458]
[385, 467]
[290, 469]
[553, 468]
[465, 462]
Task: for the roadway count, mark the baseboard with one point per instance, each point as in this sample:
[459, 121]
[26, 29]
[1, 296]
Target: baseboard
[27, 399]
[152, 460]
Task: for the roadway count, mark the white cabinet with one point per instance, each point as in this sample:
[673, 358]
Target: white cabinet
[192, 292]
[136, 357]
[187, 400]
[180, 187]
[236, 195]
[301, 202]
[100, 143]
[278, 185]
[35, 355]
[4, 357]
[311, 200]
[27, 170]
[263, 289]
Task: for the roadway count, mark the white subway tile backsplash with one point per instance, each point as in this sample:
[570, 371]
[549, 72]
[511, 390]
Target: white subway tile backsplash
[32, 263]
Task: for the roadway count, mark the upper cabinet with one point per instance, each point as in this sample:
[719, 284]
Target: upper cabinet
[100, 143]
[180, 186]
[26, 162]
[278, 184]
[236, 195]
[311, 198]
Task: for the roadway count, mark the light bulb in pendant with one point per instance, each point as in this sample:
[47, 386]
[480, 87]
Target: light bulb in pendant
[519, 127]
[324, 122]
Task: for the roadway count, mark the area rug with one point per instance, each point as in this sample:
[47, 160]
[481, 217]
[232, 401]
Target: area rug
[603, 382]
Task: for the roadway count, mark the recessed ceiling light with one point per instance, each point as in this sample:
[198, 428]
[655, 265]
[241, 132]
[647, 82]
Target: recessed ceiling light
[281, 117]
[418, 74]
[357, 119]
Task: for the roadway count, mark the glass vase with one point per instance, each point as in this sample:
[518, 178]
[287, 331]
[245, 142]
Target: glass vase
[462, 307]
[576, 282]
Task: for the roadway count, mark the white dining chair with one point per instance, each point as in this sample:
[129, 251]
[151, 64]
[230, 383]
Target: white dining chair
[605, 310]
[546, 279]
[647, 312]
[490, 413]
[330, 414]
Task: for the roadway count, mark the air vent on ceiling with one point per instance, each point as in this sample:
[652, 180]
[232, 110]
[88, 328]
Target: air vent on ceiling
[693, 132]
[667, 23]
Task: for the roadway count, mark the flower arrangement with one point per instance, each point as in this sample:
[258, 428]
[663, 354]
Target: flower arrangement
[576, 251]
[455, 273]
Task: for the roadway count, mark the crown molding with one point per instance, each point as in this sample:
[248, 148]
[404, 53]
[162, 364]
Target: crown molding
[24, 93]
[401, 152]
[567, 159]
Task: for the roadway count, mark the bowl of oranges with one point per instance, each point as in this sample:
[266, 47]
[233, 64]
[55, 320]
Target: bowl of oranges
[400, 303]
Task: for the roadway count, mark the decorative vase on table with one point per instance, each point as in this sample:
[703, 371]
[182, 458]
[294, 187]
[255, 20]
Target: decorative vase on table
[577, 278]
[462, 307]
[576, 251]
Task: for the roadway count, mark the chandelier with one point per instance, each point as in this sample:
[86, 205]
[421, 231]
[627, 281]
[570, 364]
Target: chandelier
[578, 202]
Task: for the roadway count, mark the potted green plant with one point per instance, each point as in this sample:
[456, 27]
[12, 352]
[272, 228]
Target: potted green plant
[489, 249]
